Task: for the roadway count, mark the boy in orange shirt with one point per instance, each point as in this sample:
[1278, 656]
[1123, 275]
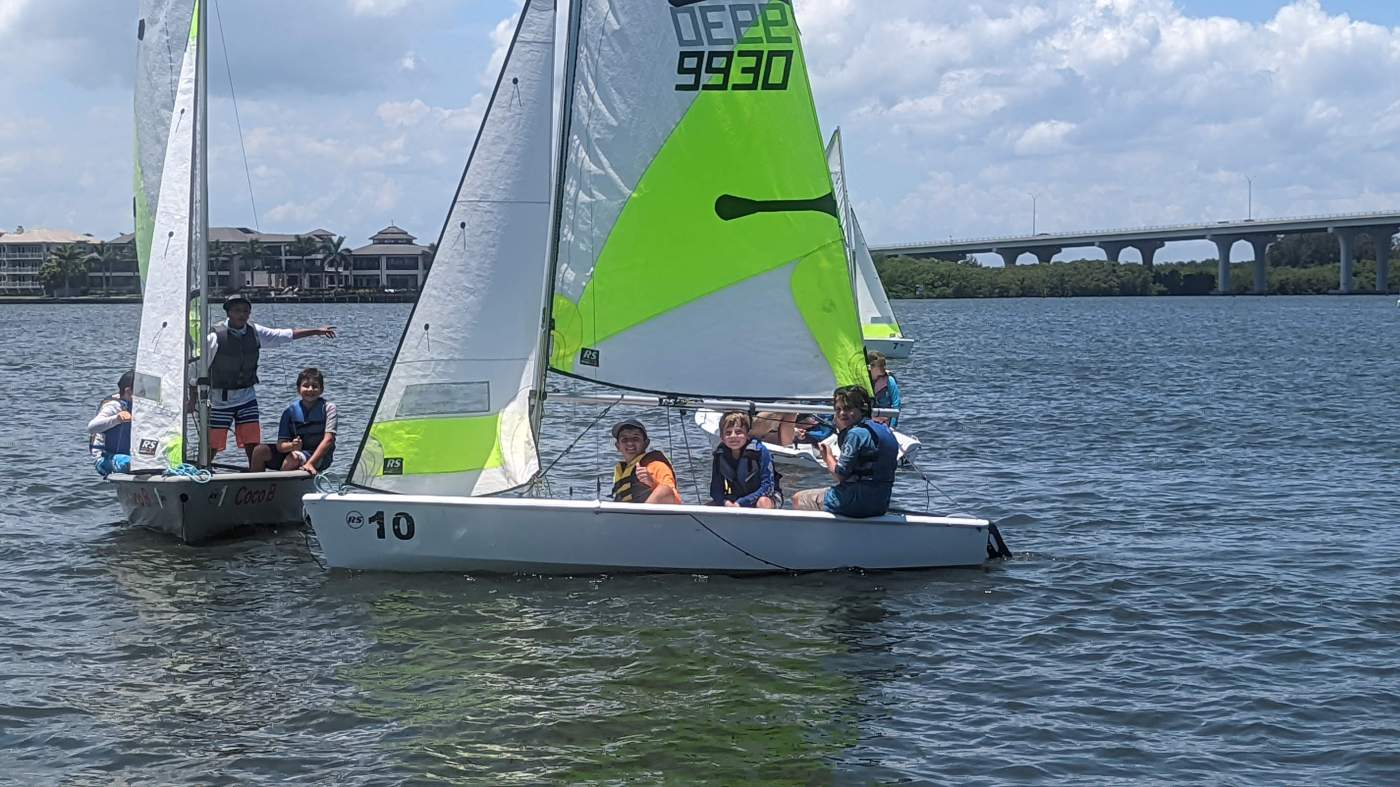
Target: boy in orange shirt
[642, 476]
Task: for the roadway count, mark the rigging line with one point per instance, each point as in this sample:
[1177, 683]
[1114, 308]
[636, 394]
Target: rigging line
[586, 430]
[690, 456]
[228, 71]
[778, 566]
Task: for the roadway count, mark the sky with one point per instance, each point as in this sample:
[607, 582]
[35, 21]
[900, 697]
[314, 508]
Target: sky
[1112, 113]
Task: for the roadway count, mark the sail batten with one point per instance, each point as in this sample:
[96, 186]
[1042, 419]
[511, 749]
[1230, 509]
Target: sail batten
[701, 251]
[454, 415]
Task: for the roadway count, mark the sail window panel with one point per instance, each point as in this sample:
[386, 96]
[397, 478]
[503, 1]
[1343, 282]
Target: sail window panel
[422, 400]
[146, 386]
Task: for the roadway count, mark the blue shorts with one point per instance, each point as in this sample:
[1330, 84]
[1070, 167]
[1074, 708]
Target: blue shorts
[116, 463]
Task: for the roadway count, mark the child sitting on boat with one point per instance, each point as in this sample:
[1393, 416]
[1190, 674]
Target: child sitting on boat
[109, 432]
[306, 435]
[885, 387]
[864, 474]
[742, 474]
[642, 476]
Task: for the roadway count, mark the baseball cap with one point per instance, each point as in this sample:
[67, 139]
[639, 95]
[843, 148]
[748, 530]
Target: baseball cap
[236, 297]
[633, 423]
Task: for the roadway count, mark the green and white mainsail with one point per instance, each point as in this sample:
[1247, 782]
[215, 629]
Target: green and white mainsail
[877, 320]
[169, 208]
[454, 416]
[700, 246]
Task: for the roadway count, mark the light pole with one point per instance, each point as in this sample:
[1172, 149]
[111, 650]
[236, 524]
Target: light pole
[1249, 215]
[1033, 197]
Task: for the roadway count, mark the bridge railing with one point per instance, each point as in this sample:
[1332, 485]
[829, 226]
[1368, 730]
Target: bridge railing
[1390, 216]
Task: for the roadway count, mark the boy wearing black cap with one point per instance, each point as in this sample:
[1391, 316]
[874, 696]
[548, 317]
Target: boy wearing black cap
[642, 476]
[233, 348]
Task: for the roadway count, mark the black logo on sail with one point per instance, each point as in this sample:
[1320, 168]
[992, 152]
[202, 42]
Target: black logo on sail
[588, 356]
[147, 447]
[393, 465]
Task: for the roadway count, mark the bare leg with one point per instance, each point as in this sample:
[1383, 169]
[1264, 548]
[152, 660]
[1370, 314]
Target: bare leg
[259, 457]
[776, 428]
[292, 462]
[765, 502]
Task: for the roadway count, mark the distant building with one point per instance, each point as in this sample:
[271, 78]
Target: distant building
[276, 267]
[24, 250]
[392, 261]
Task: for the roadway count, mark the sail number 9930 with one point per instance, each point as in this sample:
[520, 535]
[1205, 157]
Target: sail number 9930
[723, 69]
[401, 523]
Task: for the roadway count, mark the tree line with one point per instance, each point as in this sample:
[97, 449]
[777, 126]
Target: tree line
[1296, 265]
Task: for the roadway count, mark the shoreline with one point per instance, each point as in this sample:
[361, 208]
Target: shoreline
[115, 299]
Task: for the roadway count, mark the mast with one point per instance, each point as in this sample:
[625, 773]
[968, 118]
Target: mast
[199, 231]
[557, 209]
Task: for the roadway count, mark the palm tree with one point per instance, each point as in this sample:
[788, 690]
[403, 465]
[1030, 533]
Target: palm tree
[105, 254]
[64, 265]
[251, 253]
[303, 247]
[333, 251]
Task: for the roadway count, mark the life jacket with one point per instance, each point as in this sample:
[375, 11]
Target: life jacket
[744, 476]
[883, 398]
[116, 440]
[626, 487]
[880, 468]
[235, 362]
[310, 426]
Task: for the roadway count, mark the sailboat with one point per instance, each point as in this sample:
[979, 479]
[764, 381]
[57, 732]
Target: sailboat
[686, 253]
[172, 233]
[877, 321]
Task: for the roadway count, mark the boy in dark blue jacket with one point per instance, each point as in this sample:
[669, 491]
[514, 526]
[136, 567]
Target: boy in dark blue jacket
[742, 474]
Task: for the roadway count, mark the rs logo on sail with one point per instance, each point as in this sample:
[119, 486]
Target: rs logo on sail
[712, 37]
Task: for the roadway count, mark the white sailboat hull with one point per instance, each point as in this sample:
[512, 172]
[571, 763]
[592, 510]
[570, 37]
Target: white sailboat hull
[195, 512]
[414, 533]
[896, 348]
[802, 454]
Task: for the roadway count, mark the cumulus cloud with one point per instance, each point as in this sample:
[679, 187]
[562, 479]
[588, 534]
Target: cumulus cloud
[1117, 112]
[1113, 112]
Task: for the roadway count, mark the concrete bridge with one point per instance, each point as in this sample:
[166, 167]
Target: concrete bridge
[1260, 234]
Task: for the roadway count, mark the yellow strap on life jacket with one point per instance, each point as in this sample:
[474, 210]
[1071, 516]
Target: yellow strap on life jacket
[623, 473]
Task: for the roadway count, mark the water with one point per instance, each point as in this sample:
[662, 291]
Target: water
[1200, 493]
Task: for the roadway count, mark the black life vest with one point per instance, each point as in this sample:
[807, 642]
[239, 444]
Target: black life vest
[310, 426]
[116, 440]
[743, 476]
[235, 362]
[626, 487]
[881, 467]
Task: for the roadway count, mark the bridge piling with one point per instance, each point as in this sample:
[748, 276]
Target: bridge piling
[1381, 237]
[1346, 241]
[1222, 266]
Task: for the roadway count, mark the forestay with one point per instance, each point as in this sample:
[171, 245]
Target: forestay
[877, 320]
[454, 414]
[166, 134]
[700, 251]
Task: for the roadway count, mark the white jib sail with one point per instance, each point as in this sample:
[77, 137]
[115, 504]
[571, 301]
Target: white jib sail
[158, 417]
[454, 415]
[877, 320]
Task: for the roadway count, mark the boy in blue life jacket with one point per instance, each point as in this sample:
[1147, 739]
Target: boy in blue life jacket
[864, 474]
[742, 474]
[306, 434]
[109, 432]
